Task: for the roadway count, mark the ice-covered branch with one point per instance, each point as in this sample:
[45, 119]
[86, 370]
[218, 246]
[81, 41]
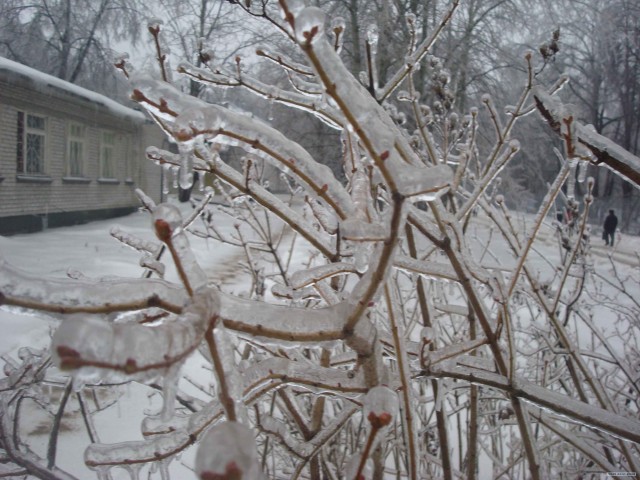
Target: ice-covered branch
[314, 106]
[86, 296]
[589, 415]
[605, 151]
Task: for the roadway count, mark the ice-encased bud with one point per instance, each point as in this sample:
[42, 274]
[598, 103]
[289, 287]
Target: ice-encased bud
[167, 219]
[428, 334]
[154, 23]
[86, 338]
[380, 406]
[227, 449]
[372, 34]
[338, 23]
[309, 24]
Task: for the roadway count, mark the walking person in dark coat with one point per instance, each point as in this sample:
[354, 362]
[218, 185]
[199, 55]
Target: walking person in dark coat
[610, 225]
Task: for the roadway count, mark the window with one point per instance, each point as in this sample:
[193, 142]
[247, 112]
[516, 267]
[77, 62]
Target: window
[31, 143]
[75, 150]
[130, 156]
[107, 157]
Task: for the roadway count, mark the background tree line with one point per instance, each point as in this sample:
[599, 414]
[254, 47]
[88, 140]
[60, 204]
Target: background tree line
[597, 44]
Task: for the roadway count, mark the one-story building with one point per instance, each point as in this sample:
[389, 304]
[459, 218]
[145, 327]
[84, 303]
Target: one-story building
[68, 155]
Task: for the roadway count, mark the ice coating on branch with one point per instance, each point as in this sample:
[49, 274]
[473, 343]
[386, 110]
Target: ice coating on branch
[284, 325]
[302, 278]
[351, 468]
[430, 269]
[97, 350]
[282, 432]
[380, 405]
[309, 24]
[327, 219]
[85, 291]
[295, 6]
[425, 183]
[369, 118]
[194, 120]
[372, 34]
[99, 456]
[227, 450]
[301, 374]
[167, 222]
[134, 242]
[359, 230]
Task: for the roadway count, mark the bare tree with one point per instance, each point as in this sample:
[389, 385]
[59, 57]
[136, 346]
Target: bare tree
[70, 39]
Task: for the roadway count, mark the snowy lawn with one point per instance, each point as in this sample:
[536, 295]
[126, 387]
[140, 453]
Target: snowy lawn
[91, 251]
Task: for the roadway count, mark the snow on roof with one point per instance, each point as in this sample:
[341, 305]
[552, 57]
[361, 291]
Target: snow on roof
[46, 80]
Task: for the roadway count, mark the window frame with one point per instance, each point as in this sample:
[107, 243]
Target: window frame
[79, 138]
[23, 131]
[107, 146]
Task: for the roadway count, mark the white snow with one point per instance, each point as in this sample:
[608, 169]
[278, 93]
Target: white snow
[44, 80]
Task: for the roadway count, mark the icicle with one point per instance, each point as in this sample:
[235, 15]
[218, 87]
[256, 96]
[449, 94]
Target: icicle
[442, 387]
[186, 166]
[103, 473]
[163, 467]
[169, 391]
[571, 180]
[362, 254]
[133, 470]
[166, 167]
[582, 171]
[270, 110]
[174, 177]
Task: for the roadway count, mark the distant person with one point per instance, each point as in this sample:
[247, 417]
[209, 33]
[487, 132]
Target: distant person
[610, 225]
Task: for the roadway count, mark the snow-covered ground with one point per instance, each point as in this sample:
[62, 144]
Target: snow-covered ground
[91, 250]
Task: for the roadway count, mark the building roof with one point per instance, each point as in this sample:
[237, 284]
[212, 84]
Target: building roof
[47, 82]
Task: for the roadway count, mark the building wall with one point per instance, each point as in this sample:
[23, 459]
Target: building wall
[27, 201]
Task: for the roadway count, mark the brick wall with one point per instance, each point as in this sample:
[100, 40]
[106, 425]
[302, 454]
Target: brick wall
[55, 191]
